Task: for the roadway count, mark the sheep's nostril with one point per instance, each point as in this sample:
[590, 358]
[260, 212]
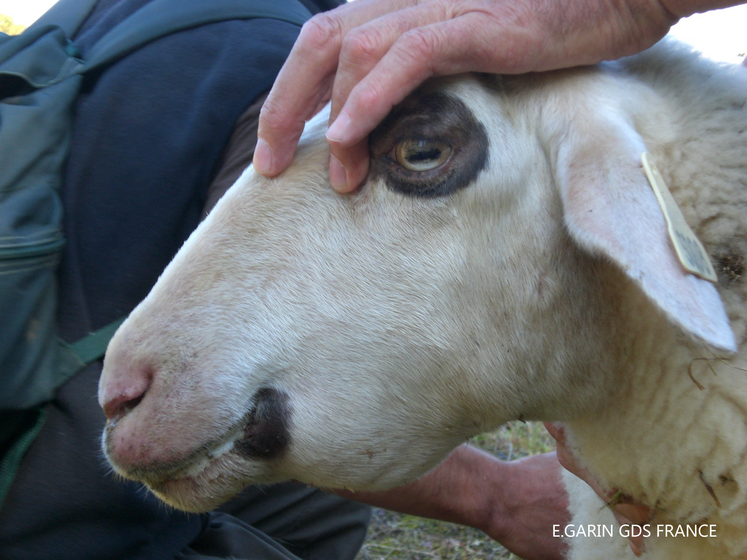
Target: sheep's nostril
[124, 401]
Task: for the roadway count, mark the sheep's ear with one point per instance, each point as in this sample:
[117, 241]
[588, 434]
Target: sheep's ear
[611, 209]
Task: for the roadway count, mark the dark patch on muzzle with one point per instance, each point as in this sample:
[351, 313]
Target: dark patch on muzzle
[266, 435]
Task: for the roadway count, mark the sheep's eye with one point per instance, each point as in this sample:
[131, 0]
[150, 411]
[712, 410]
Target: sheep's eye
[421, 155]
[429, 146]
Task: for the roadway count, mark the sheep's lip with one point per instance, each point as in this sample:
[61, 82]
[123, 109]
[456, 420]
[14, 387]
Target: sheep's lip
[199, 470]
[211, 473]
[198, 463]
[194, 464]
[261, 434]
[214, 476]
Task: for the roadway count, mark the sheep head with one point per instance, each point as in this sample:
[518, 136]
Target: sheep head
[487, 270]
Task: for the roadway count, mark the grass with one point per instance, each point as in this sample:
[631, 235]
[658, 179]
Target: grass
[393, 536]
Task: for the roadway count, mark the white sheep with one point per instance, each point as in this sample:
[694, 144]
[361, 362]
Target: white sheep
[506, 258]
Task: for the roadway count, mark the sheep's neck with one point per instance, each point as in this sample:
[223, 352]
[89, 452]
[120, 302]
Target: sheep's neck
[674, 434]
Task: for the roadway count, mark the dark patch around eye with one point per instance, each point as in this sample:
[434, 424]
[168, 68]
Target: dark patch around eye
[438, 119]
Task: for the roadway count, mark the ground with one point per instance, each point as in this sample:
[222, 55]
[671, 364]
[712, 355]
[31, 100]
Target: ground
[404, 537]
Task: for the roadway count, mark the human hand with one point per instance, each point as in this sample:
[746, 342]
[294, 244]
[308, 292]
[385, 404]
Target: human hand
[531, 501]
[514, 502]
[368, 55]
[625, 510]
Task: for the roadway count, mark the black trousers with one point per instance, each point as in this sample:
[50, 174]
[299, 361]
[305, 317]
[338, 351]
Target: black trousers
[283, 522]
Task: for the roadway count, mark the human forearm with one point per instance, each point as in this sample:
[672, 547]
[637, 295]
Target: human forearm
[515, 503]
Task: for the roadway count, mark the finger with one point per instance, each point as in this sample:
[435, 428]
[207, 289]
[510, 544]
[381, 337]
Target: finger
[360, 115]
[348, 167]
[363, 47]
[566, 458]
[306, 80]
[636, 545]
[498, 37]
[625, 510]
[443, 48]
[632, 513]
[380, 46]
[280, 126]
[626, 513]
[556, 430]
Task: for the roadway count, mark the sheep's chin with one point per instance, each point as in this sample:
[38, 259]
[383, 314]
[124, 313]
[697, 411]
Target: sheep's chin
[211, 480]
[217, 481]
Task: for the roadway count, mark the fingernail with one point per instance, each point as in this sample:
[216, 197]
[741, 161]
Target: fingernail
[337, 177]
[638, 547]
[262, 157]
[338, 131]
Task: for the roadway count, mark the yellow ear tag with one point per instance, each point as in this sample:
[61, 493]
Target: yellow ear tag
[690, 251]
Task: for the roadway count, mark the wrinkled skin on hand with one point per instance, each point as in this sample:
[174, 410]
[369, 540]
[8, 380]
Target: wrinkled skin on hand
[368, 55]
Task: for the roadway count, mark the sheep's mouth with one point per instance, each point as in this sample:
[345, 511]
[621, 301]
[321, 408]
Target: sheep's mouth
[216, 482]
[261, 434]
[220, 471]
[193, 465]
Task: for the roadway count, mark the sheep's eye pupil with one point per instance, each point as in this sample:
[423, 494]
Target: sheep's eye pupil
[421, 155]
[424, 155]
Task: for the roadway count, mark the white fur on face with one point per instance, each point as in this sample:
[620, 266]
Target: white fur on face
[358, 308]
[353, 341]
